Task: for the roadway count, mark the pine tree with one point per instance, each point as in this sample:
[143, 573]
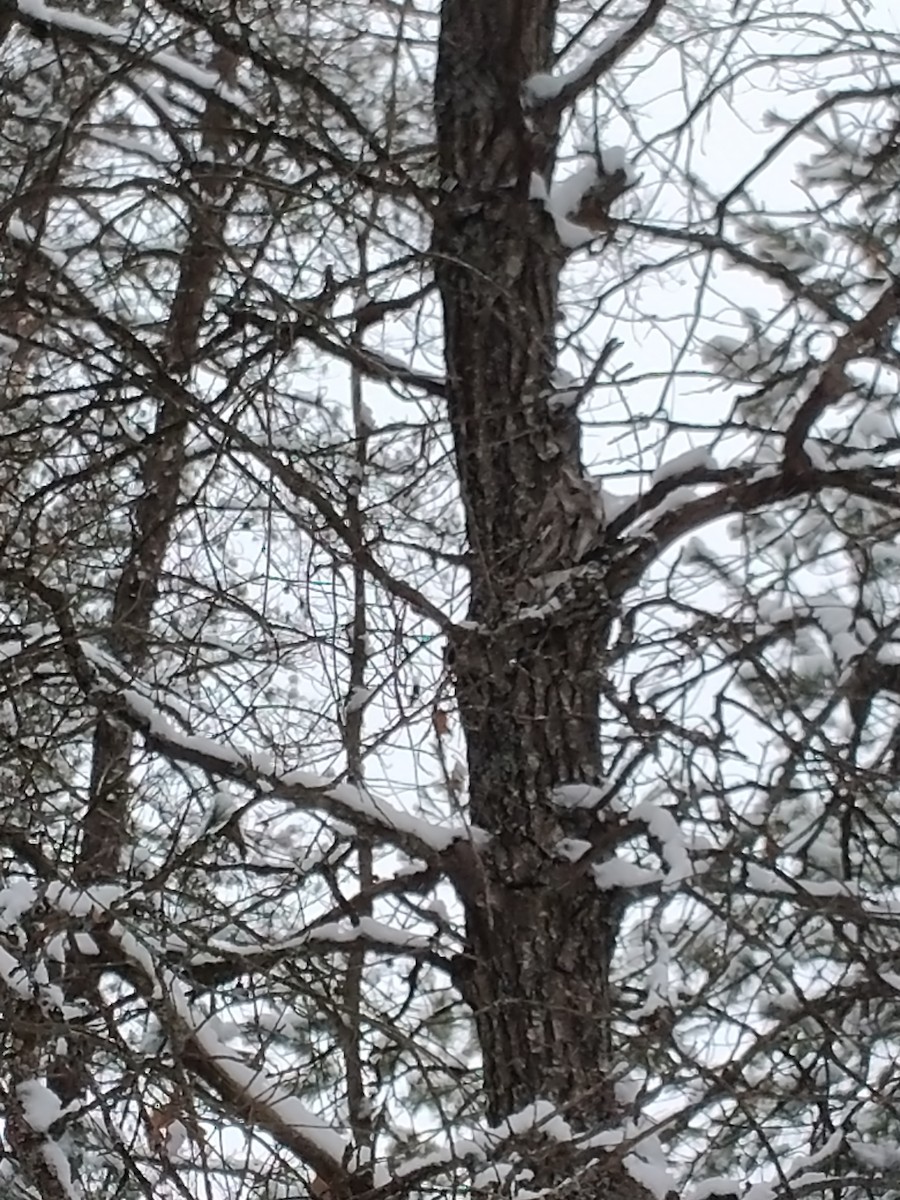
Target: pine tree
[448, 650]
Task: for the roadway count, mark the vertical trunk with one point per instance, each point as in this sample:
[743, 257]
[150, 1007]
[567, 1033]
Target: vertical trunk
[539, 937]
[527, 683]
[104, 831]
[138, 587]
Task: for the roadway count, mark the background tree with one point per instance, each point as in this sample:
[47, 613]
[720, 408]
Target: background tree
[438, 754]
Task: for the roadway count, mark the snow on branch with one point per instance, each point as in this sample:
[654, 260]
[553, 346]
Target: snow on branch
[375, 934]
[671, 486]
[98, 31]
[89, 32]
[552, 93]
[103, 683]
[581, 203]
[328, 935]
[40, 1109]
[304, 788]
[251, 1088]
[697, 459]
[738, 493]
[772, 883]
[253, 1094]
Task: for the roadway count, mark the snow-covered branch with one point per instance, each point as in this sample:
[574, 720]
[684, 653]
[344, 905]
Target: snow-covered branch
[739, 494]
[87, 30]
[249, 1091]
[101, 681]
[91, 33]
[306, 789]
[553, 93]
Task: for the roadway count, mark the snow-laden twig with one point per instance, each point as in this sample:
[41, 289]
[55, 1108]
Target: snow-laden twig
[249, 1089]
[554, 92]
[303, 788]
[99, 31]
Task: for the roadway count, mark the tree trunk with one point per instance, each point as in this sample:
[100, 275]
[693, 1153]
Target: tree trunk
[539, 936]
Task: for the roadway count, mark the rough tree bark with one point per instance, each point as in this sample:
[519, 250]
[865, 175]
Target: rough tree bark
[528, 678]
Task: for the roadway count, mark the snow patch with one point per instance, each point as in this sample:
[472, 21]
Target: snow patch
[367, 929]
[613, 159]
[16, 899]
[580, 795]
[716, 1185]
[619, 873]
[41, 1107]
[883, 1157]
[545, 86]
[567, 194]
[663, 826]
[698, 458]
[572, 849]
[649, 1167]
[541, 1115]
